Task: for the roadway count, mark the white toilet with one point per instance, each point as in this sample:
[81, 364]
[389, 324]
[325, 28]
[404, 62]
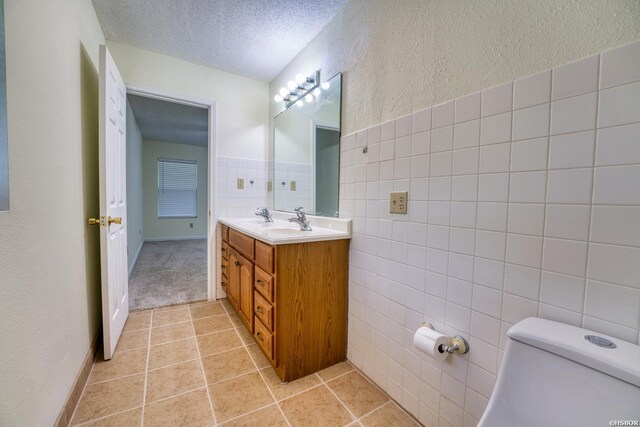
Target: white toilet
[554, 374]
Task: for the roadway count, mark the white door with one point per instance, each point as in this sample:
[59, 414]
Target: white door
[113, 224]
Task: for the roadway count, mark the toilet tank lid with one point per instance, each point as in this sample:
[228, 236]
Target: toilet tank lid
[622, 362]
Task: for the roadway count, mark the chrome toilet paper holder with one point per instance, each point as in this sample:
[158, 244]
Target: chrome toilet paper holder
[457, 344]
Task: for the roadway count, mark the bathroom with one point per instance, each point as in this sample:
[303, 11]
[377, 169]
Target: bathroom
[512, 126]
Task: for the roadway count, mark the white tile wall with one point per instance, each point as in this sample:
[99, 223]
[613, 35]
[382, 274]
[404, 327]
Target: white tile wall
[524, 200]
[232, 202]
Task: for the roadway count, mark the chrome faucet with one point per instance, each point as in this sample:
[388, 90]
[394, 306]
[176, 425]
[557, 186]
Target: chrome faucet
[264, 212]
[301, 219]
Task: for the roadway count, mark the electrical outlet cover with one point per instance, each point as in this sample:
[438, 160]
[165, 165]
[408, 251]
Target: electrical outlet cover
[240, 183]
[398, 202]
[293, 186]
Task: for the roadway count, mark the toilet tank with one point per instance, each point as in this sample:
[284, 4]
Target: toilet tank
[552, 376]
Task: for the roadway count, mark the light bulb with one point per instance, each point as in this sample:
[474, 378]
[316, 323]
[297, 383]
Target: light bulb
[316, 92]
[300, 78]
[292, 85]
[284, 92]
[277, 98]
[308, 98]
[300, 103]
[326, 85]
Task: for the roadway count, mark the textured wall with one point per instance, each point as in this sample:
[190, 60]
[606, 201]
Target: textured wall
[242, 104]
[400, 56]
[49, 256]
[135, 220]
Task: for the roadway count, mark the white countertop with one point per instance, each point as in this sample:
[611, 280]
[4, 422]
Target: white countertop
[282, 232]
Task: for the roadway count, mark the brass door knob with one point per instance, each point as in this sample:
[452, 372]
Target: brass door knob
[117, 220]
[94, 221]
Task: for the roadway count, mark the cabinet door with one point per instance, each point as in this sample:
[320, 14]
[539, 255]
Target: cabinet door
[246, 291]
[234, 278]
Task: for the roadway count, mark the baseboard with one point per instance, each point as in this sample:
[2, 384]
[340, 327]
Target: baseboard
[135, 258]
[168, 239]
[81, 380]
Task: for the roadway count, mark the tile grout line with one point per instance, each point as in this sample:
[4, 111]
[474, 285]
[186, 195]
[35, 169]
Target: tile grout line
[388, 402]
[263, 380]
[146, 370]
[344, 405]
[85, 423]
[546, 196]
[391, 399]
[204, 376]
[593, 194]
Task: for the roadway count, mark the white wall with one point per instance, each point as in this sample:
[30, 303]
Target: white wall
[523, 201]
[135, 222]
[242, 103]
[458, 258]
[49, 256]
[161, 228]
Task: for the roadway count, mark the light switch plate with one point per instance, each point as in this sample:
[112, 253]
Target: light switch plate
[293, 186]
[240, 185]
[269, 185]
[398, 202]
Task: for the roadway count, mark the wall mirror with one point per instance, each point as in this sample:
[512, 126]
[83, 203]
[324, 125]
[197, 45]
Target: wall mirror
[306, 166]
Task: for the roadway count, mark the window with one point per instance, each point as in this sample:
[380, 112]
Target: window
[177, 186]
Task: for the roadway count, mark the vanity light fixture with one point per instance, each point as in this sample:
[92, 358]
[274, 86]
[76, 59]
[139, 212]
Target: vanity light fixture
[304, 87]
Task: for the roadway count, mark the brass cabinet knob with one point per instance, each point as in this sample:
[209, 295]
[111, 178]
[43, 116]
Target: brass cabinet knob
[237, 263]
[260, 310]
[259, 282]
[259, 336]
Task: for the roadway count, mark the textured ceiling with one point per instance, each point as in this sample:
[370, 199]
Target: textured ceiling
[170, 122]
[253, 38]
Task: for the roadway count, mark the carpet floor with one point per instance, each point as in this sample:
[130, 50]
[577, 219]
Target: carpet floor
[168, 273]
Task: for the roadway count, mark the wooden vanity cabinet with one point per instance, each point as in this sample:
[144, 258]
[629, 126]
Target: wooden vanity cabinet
[293, 299]
[240, 286]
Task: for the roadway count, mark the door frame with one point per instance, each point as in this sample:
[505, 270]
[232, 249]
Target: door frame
[212, 217]
[315, 124]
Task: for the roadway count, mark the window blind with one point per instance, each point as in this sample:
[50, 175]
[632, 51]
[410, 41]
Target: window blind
[177, 187]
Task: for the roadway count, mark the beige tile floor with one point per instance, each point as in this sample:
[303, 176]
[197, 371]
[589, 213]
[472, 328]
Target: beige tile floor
[197, 365]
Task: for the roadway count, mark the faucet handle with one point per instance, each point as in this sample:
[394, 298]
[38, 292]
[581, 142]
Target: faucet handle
[300, 212]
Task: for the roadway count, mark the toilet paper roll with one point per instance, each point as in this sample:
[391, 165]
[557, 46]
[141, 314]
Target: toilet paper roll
[429, 341]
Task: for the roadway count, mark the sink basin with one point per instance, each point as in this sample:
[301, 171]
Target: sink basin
[281, 231]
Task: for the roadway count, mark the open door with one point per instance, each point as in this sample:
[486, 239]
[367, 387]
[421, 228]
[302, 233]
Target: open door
[113, 209]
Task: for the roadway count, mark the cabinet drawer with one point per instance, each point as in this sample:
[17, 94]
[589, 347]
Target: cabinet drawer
[264, 338]
[242, 243]
[224, 230]
[263, 283]
[264, 256]
[263, 311]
